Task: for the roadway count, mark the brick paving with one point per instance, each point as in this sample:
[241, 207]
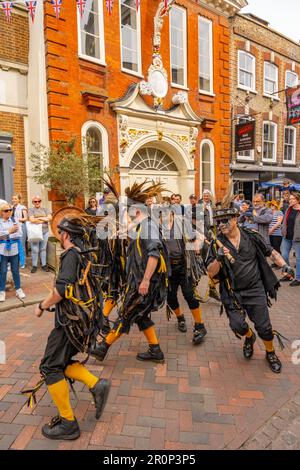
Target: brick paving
[203, 397]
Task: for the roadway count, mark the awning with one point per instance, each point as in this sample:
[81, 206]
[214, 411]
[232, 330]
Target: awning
[245, 176]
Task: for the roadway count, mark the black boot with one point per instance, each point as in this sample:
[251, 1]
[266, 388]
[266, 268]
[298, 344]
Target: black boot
[154, 354]
[274, 362]
[248, 346]
[62, 429]
[100, 393]
[214, 294]
[181, 323]
[199, 333]
[99, 350]
[106, 327]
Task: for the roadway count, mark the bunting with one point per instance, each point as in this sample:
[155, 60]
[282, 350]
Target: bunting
[109, 6]
[166, 2]
[56, 6]
[81, 6]
[137, 2]
[31, 5]
[7, 8]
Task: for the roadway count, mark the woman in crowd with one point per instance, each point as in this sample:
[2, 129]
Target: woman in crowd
[20, 214]
[275, 231]
[291, 235]
[10, 250]
[92, 206]
[39, 215]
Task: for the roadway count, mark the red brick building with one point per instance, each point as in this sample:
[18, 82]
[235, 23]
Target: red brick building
[263, 64]
[151, 89]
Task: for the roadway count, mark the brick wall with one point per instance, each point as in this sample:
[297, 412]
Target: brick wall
[68, 76]
[264, 41]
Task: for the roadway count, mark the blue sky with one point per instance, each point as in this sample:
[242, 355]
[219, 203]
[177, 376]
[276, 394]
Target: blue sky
[283, 15]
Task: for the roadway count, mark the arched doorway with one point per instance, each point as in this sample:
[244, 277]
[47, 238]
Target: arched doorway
[156, 165]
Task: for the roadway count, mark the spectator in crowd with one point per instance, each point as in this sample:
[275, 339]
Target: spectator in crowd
[275, 231]
[10, 250]
[262, 216]
[92, 206]
[285, 201]
[176, 202]
[39, 215]
[20, 214]
[291, 235]
[238, 200]
[106, 192]
[193, 207]
[172, 199]
[246, 217]
[207, 202]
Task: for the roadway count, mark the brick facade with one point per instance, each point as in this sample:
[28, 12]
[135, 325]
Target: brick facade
[265, 44]
[69, 76]
[14, 51]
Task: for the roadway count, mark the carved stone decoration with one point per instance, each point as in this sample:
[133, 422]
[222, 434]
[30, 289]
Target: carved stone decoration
[123, 121]
[180, 98]
[158, 22]
[193, 140]
[123, 125]
[145, 88]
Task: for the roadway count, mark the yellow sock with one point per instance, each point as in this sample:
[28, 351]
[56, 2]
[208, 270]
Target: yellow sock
[60, 394]
[249, 334]
[197, 314]
[77, 371]
[269, 345]
[150, 334]
[177, 312]
[108, 306]
[112, 337]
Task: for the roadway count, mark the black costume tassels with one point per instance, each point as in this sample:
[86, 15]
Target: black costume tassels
[280, 337]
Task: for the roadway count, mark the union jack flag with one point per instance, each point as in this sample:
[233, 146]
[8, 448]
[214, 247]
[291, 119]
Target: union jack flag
[7, 8]
[81, 6]
[31, 5]
[137, 2]
[109, 5]
[56, 5]
[165, 5]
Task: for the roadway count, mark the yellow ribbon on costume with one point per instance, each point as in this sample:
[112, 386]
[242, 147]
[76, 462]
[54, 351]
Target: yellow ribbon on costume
[69, 296]
[138, 241]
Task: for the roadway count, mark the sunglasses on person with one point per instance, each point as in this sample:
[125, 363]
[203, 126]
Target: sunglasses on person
[36, 202]
[7, 210]
[223, 221]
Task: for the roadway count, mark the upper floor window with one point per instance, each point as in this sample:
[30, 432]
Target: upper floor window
[246, 70]
[178, 45]
[130, 36]
[291, 79]
[205, 55]
[207, 166]
[289, 145]
[91, 32]
[269, 141]
[271, 80]
[246, 154]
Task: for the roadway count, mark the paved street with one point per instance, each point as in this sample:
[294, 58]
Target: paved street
[205, 397]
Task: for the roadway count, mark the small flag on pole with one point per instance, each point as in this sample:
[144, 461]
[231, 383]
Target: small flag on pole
[7, 8]
[81, 6]
[166, 5]
[31, 5]
[109, 5]
[138, 2]
[56, 5]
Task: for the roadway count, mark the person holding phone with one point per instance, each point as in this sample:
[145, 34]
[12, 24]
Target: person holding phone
[10, 250]
[20, 213]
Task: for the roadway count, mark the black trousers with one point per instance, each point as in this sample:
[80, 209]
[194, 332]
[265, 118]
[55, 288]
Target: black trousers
[258, 314]
[178, 278]
[58, 355]
[276, 242]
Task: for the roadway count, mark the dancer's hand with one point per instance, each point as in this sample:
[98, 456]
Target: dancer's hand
[144, 287]
[38, 312]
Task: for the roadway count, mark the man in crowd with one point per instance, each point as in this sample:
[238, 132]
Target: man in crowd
[262, 216]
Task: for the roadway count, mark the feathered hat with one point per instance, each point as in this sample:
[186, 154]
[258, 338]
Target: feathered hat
[225, 208]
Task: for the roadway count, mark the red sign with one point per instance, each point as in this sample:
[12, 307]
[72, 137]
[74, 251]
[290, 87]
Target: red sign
[293, 105]
[245, 136]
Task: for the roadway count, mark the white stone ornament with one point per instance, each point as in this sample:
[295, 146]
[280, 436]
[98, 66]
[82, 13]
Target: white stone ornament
[158, 83]
[145, 88]
[180, 98]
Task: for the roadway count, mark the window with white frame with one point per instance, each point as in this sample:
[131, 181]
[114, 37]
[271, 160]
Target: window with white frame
[207, 166]
[246, 70]
[91, 31]
[271, 79]
[205, 46]
[130, 36]
[178, 45]
[291, 79]
[269, 141]
[289, 145]
[246, 154]
[95, 148]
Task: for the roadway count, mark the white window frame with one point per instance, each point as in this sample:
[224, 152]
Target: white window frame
[102, 37]
[243, 87]
[274, 160]
[104, 134]
[290, 162]
[292, 73]
[184, 47]
[241, 120]
[211, 43]
[212, 165]
[139, 43]
[275, 96]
